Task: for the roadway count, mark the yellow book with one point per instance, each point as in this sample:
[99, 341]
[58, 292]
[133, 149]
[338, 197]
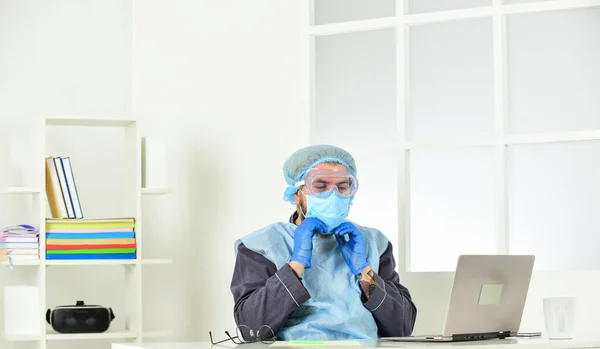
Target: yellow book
[89, 225]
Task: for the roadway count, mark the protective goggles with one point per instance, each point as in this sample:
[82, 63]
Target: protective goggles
[320, 181]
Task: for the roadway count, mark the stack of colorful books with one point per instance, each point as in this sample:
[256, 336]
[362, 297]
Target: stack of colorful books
[90, 238]
[19, 242]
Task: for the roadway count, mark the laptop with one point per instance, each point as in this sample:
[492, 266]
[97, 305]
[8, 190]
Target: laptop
[487, 299]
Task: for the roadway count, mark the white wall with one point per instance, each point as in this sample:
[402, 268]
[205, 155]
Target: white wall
[220, 81]
[223, 79]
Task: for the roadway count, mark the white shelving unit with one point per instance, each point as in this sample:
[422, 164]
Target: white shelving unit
[20, 190]
[130, 198]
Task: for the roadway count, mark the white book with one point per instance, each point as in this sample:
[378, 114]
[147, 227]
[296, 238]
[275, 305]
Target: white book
[19, 239]
[72, 188]
[7, 235]
[64, 186]
[26, 245]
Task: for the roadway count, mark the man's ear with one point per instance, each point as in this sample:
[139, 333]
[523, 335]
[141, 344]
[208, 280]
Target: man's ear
[297, 197]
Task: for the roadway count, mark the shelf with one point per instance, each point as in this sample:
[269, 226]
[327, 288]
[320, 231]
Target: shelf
[155, 190]
[49, 134]
[23, 262]
[21, 338]
[80, 336]
[20, 190]
[54, 336]
[109, 262]
[94, 122]
[163, 261]
[92, 262]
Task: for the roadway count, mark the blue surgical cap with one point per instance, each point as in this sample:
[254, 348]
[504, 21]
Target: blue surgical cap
[296, 166]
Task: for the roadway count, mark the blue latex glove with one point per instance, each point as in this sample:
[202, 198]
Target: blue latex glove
[303, 239]
[355, 249]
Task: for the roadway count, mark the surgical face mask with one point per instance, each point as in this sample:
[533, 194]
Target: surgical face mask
[330, 207]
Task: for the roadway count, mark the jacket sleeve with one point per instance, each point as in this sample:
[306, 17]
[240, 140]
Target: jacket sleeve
[391, 304]
[262, 294]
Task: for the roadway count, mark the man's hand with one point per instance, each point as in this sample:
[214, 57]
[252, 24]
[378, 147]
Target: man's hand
[355, 249]
[297, 267]
[303, 242]
[367, 282]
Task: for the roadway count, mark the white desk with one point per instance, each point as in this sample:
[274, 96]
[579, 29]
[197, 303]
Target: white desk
[509, 343]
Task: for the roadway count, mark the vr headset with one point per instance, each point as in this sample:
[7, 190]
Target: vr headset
[80, 318]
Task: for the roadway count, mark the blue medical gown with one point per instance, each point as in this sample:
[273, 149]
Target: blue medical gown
[335, 310]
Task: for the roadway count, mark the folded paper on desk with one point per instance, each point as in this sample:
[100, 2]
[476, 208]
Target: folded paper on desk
[316, 343]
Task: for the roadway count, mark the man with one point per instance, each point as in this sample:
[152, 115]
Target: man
[319, 276]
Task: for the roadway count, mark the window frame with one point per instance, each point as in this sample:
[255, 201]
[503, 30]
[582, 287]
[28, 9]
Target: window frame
[501, 139]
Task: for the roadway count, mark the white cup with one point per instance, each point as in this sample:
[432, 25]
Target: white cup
[559, 314]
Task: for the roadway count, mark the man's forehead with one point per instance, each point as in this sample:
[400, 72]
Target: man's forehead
[331, 166]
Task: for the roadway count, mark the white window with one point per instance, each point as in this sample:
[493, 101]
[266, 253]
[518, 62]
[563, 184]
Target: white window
[475, 123]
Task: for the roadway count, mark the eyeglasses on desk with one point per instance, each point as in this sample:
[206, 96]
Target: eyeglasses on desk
[264, 334]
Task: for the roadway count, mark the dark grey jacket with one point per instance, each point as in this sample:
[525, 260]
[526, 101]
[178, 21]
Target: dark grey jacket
[265, 295]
